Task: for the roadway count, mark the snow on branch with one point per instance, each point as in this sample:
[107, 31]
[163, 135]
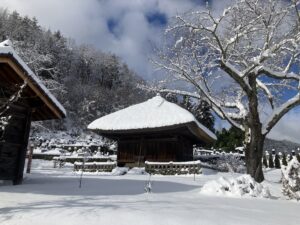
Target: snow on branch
[279, 75]
[279, 112]
[266, 90]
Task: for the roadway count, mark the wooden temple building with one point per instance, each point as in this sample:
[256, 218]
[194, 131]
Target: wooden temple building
[34, 103]
[155, 130]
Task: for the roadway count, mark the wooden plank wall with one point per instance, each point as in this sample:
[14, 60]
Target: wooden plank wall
[156, 150]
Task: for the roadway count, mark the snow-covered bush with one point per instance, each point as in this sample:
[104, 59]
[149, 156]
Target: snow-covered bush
[236, 187]
[291, 179]
[231, 163]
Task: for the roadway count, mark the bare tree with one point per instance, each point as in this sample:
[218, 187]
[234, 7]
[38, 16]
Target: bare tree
[245, 63]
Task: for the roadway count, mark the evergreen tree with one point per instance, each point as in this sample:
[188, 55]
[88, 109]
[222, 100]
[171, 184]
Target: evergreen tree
[265, 162]
[277, 161]
[203, 113]
[187, 103]
[228, 140]
[200, 109]
[271, 163]
[171, 97]
[284, 161]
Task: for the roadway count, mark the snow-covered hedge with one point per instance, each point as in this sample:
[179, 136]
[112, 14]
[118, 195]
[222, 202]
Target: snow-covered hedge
[243, 185]
[225, 162]
[291, 179]
[231, 163]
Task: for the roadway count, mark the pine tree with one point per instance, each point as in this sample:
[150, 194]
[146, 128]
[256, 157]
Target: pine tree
[284, 162]
[271, 163]
[228, 140]
[265, 162]
[203, 114]
[171, 97]
[277, 161]
[200, 109]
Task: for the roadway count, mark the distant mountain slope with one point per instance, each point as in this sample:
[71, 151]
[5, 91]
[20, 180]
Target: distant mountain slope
[280, 146]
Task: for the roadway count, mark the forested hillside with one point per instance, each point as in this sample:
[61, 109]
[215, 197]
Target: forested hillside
[88, 82]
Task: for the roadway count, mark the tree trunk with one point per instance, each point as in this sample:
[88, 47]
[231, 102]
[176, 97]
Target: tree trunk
[254, 143]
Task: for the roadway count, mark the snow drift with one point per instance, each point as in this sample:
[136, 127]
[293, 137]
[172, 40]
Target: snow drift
[242, 186]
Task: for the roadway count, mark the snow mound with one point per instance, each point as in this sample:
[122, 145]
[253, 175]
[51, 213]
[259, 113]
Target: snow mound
[137, 171]
[118, 171]
[242, 186]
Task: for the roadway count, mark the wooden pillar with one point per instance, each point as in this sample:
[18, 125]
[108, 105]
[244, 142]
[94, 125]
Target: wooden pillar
[18, 178]
[140, 151]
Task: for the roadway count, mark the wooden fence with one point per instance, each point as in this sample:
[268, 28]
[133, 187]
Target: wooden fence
[173, 168]
[95, 166]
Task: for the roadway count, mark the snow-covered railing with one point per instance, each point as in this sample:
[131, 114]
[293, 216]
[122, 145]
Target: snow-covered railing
[95, 166]
[59, 161]
[172, 168]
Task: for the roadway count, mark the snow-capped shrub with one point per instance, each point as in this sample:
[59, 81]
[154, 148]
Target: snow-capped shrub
[283, 161]
[291, 179]
[265, 162]
[271, 163]
[231, 163]
[277, 162]
[243, 185]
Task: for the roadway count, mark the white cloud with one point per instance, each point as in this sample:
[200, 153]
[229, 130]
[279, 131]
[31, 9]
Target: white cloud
[86, 22]
[288, 128]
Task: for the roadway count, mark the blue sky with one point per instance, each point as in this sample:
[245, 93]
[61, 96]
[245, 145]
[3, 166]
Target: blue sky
[128, 28]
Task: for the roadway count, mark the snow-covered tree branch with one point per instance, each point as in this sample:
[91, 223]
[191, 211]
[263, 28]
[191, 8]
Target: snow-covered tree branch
[244, 63]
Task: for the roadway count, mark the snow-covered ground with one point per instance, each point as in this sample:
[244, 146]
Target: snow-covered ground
[52, 196]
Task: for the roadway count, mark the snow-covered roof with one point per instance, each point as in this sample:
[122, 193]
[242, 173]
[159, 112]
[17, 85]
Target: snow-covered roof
[6, 49]
[153, 113]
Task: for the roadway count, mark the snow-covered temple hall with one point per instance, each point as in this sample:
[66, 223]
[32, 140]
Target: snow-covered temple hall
[154, 130]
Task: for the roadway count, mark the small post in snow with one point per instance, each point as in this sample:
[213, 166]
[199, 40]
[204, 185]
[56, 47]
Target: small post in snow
[148, 187]
[194, 171]
[28, 169]
[83, 164]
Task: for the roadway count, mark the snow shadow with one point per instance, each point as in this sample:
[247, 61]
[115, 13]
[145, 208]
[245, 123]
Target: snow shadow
[69, 186]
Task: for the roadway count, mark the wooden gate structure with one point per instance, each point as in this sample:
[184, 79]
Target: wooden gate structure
[35, 103]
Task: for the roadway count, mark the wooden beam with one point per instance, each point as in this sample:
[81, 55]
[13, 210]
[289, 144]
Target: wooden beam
[32, 85]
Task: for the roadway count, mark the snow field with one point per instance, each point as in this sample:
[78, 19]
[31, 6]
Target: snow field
[52, 196]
